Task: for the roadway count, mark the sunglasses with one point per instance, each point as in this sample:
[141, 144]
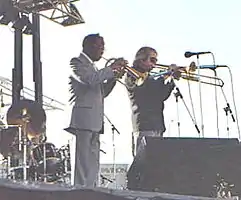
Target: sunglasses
[153, 60]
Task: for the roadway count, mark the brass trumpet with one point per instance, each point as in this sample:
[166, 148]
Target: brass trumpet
[138, 76]
[187, 74]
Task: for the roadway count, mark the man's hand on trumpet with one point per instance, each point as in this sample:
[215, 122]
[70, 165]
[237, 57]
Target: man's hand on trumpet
[118, 66]
[176, 74]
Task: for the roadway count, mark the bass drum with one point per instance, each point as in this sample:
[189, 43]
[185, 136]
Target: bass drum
[53, 160]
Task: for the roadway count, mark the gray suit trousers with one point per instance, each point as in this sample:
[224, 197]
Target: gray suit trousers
[85, 159]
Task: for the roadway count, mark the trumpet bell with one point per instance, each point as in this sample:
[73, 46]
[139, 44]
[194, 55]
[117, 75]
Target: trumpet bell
[139, 81]
[138, 76]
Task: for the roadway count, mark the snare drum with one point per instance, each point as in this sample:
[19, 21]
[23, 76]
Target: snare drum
[52, 158]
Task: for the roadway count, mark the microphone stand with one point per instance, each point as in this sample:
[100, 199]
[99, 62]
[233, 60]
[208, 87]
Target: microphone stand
[113, 129]
[227, 110]
[228, 107]
[200, 95]
[178, 94]
[103, 179]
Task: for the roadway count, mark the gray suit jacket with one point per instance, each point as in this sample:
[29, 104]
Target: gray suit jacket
[88, 89]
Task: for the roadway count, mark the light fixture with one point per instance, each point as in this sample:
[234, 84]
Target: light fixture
[24, 24]
[63, 12]
[8, 13]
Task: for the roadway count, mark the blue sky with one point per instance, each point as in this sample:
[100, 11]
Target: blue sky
[172, 27]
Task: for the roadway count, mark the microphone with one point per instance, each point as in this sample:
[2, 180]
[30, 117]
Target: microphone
[211, 66]
[188, 54]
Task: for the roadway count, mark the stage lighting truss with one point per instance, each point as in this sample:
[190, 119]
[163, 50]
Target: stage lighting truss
[27, 93]
[63, 12]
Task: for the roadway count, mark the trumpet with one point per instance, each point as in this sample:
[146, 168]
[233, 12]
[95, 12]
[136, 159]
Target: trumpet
[138, 76]
[187, 73]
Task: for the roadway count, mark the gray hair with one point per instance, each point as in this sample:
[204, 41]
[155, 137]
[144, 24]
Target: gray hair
[143, 53]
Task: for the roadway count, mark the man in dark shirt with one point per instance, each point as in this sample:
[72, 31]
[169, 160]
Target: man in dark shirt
[147, 100]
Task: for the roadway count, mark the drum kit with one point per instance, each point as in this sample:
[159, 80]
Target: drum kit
[26, 154]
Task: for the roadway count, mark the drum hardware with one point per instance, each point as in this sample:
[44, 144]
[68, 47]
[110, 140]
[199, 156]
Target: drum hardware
[28, 156]
[19, 138]
[47, 161]
[8, 137]
[25, 118]
[8, 167]
[17, 173]
[44, 162]
[64, 153]
[30, 118]
[3, 169]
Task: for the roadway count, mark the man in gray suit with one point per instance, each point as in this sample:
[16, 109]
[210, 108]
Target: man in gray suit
[89, 86]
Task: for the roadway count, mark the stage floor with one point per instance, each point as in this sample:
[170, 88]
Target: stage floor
[18, 190]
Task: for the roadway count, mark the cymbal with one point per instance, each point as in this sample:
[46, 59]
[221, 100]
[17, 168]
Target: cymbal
[29, 114]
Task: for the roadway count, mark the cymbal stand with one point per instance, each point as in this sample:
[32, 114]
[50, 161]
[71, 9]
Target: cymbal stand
[19, 138]
[9, 161]
[25, 118]
[45, 165]
[43, 141]
[9, 167]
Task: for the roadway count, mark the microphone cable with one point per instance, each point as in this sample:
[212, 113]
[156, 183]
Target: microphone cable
[216, 95]
[233, 99]
[191, 101]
